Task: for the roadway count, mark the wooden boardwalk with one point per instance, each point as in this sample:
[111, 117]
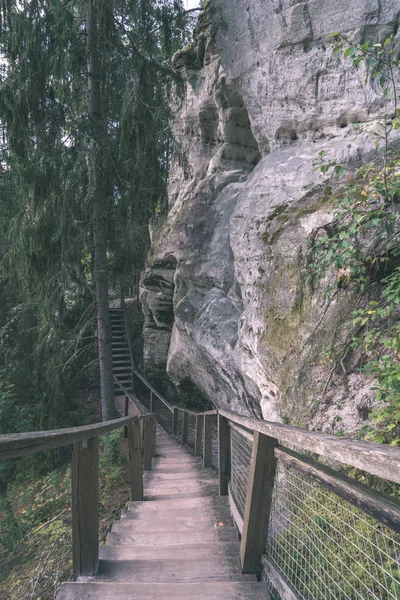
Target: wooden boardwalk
[179, 543]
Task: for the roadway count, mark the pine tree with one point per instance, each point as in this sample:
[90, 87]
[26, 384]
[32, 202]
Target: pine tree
[87, 154]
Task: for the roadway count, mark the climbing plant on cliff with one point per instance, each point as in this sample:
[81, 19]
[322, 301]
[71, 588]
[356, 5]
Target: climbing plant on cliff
[360, 247]
[60, 165]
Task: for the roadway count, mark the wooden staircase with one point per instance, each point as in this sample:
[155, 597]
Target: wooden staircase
[179, 543]
[122, 367]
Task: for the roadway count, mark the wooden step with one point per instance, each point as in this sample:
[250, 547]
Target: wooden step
[178, 551]
[179, 503]
[164, 538]
[185, 485]
[170, 523]
[211, 513]
[169, 570]
[212, 590]
[176, 461]
[182, 485]
[165, 476]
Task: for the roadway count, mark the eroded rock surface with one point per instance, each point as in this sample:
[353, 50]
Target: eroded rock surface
[226, 304]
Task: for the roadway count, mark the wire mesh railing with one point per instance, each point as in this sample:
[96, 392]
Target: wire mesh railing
[326, 548]
[273, 592]
[318, 534]
[241, 449]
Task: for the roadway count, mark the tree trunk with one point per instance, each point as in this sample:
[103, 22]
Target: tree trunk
[100, 213]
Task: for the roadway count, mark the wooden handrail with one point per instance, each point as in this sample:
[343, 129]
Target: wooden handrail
[85, 474]
[383, 508]
[150, 387]
[268, 441]
[132, 398]
[267, 448]
[377, 459]
[13, 445]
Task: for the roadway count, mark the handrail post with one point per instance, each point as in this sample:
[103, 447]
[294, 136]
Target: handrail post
[147, 444]
[85, 507]
[152, 402]
[224, 448]
[126, 414]
[133, 381]
[185, 427]
[153, 435]
[258, 502]
[175, 421]
[199, 435]
[207, 440]
[135, 461]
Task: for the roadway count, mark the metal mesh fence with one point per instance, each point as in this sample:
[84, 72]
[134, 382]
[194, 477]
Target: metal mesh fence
[273, 594]
[326, 548]
[241, 449]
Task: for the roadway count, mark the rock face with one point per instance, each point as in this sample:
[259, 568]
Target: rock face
[228, 313]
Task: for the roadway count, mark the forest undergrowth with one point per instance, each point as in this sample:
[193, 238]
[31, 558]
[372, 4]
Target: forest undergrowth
[36, 522]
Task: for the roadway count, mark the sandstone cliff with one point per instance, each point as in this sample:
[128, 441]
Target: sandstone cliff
[228, 315]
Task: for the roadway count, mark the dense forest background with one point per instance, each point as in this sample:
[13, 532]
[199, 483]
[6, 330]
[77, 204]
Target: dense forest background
[57, 158]
[70, 160]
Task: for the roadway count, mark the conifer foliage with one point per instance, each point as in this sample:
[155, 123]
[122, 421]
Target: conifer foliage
[84, 165]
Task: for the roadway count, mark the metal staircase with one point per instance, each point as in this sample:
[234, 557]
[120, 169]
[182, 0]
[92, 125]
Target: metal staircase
[122, 366]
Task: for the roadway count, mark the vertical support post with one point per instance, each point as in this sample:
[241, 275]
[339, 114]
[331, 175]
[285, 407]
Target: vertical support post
[135, 461]
[207, 439]
[126, 413]
[133, 382]
[185, 427]
[152, 402]
[258, 502]
[153, 435]
[175, 421]
[199, 435]
[224, 448]
[147, 443]
[85, 507]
